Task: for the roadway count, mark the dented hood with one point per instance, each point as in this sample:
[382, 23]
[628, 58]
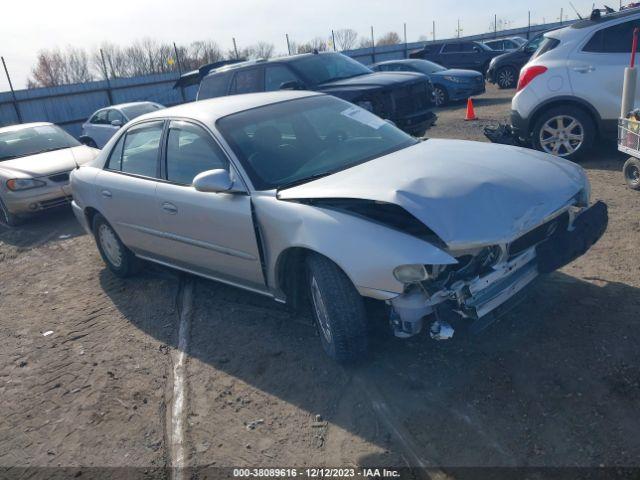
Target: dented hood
[468, 193]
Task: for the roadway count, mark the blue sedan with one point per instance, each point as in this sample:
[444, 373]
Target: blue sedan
[448, 84]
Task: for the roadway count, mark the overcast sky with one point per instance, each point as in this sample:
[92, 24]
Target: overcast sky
[28, 26]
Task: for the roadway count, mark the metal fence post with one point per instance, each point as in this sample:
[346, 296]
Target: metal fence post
[288, 44]
[175, 49]
[13, 93]
[333, 39]
[406, 48]
[373, 46]
[106, 76]
[529, 26]
[433, 30]
[235, 48]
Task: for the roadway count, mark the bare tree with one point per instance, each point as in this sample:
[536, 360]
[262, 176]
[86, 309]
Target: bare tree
[260, 50]
[346, 38]
[317, 44]
[365, 42]
[389, 38]
[200, 53]
[55, 67]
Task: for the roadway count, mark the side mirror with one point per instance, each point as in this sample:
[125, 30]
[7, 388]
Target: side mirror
[116, 123]
[476, 49]
[213, 181]
[291, 85]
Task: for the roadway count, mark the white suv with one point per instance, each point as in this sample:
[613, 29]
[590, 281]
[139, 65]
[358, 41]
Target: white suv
[570, 91]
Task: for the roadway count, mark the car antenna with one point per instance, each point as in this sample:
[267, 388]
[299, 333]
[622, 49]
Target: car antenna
[576, 10]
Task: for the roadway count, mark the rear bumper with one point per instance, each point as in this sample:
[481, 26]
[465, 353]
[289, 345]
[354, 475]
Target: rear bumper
[80, 216]
[519, 124]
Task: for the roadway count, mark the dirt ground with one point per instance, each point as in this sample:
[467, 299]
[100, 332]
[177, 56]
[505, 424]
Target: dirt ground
[86, 363]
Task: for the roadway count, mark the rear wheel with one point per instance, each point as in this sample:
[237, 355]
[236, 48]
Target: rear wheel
[567, 132]
[7, 217]
[631, 172]
[338, 310]
[440, 96]
[506, 77]
[118, 258]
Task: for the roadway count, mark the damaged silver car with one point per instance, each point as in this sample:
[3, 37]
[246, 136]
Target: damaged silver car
[314, 201]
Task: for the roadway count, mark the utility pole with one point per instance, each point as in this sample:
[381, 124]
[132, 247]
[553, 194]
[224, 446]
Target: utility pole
[459, 29]
[106, 77]
[561, 14]
[235, 48]
[373, 46]
[406, 50]
[433, 30]
[13, 93]
[495, 25]
[175, 50]
[288, 44]
[529, 26]
[333, 39]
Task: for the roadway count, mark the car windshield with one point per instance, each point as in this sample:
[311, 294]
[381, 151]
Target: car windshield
[425, 66]
[33, 140]
[133, 111]
[287, 143]
[326, 67]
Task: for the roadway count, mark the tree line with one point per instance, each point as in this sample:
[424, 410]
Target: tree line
[57, 66]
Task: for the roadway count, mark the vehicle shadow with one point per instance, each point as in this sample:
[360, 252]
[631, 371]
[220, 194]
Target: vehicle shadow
[556, 382]
[49, 226]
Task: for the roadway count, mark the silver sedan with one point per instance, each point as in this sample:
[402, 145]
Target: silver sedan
[35, 161]
[311, 200]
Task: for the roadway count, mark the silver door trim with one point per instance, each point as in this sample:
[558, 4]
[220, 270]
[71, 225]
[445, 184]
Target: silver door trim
[190, 241]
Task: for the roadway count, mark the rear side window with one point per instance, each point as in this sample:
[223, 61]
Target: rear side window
[190, 151]
[276, 75]
[115, 115]
[214, 86]
[452, 48]
[615, 39]
[467, 47]
[137, 151]
[247, 81]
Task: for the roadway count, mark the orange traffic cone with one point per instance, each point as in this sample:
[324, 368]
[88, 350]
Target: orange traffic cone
[471, 113]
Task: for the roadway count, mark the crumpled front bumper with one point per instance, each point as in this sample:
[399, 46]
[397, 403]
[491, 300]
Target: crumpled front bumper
[472, 300]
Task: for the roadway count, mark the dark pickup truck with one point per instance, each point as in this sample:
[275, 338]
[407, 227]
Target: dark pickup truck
[458, 54]
[402, 97]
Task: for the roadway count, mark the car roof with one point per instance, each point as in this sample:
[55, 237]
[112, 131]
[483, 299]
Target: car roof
[250, 63]
[209, 111]
[120, 106]
[21, 126]
[401, 60]
[604, 18]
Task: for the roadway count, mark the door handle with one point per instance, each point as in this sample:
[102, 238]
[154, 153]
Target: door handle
[106, 194]
[584, 69]
[170, 208]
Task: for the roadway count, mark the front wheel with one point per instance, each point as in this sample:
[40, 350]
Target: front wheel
[506, 77]
[7, 217]
[631, 172]
[338, 310]
[567, 132]
[440, 96]
[118, 258]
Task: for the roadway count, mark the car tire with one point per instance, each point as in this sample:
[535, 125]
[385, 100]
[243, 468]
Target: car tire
[567, 121]
[440, 96]
[338, 310]
[631, 172]
[506, 77]
[120, 260]
[7, 217]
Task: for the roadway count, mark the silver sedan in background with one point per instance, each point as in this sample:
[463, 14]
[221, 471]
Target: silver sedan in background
[35, 161]
[311, 200]
[104, 123]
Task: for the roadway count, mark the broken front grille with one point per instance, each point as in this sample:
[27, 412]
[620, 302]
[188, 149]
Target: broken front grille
[411, 99]
[538, 234]
[60, 177]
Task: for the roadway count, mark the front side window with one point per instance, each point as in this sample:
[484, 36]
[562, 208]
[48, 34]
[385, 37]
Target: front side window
[190, 151]
[615, 39]
[247, 81]
[213, 86]
[452, 48]
[277, 75]
[137, 150]
[328, 67]
[425, 66]
[115, 115]
[294, 141]
[33, 140]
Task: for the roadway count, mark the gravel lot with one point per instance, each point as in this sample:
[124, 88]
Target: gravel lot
[555, 383]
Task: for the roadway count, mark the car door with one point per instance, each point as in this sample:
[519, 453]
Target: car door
[248, 80]
[209, 233]
[450, 55]
[596, 68]
[127, 187]
[99, 128]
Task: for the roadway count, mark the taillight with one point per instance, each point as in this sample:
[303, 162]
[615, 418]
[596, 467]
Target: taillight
[529, 74]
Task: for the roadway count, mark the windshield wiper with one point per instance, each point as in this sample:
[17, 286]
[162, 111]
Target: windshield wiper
[300, 181]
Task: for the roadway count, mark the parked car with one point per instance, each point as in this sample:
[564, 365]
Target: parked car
[457, 54]
[104, 123]
[505, 44]
[448, 84]
[402, 97]
[35, 161]
[570, 92]
[504, 70]
[302, 195]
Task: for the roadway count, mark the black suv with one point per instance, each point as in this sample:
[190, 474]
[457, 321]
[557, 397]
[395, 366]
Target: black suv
[504, 70]
[402, 97]
[458, 54]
